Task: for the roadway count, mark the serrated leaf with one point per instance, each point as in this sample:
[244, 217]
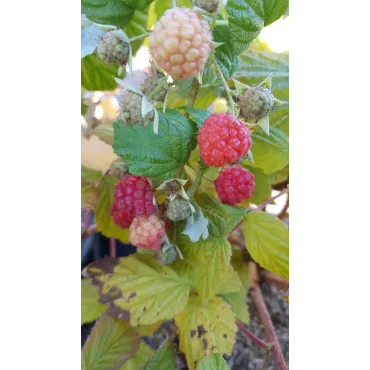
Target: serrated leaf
[246, 22]
[216, 224]
[89, 39]
[204, 330]
[140, 357]
[197, 115]
[157, 156]
[267, 241]
[196, 226]
[270, 152]
[274, 9]
[103, 219]
[111, 343]
[140, 289]
[163, 358]
[96, 75]
[105, 133]
[239, 306]
[262, 188]
[138, 4]
[213, 362]
[209, 258]
[231, 214]
[91, 308]
[279, 176]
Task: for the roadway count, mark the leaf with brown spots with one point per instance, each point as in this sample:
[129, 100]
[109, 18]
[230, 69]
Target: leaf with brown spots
[91, 308]
[213, 362]
[139, 288]
[210, 322]
[111, 343]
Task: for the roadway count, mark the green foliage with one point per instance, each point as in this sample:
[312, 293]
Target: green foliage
[155, 155]
[274, 9]
[136, 27]
[139, 359]
[197, 115]
[262, 188]
[237, 303]
[163, 358]
[91, 308]
[89, 187]
[111, 343]
[279, 176]
[105, 133]
[213, 362]
[267, 241]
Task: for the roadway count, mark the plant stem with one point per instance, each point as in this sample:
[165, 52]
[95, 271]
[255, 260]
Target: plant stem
[226, 86]
[194, 92]
[139, 37]
[198, 179]
[174, 3]
[90, 230]
[283, 211]
[264, 204]
[272, 279]
[222, 22]
[112, 247]
[250, 335]
[214, 21]
[265, 318]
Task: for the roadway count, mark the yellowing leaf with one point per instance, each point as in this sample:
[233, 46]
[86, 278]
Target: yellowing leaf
[145, 330]
[140, 358]
[229, 281]
[91, 308]
[205, 329]
[139, 289]
[111, 343]
[239, 306]
[213, 362]
[267, 240]
[241, 268]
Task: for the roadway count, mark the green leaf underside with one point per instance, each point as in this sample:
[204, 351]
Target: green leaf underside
[111, 343]
[139, 289]
[139, 359]
[103, 218]
[155, 156]
[163, 358]
[91, 308]
[213, 362]
[274, 9]
[267, 240]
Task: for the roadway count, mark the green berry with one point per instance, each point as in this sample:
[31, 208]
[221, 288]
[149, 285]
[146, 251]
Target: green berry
[169, 256]
[178, 210]
[112, 50]
[256, 103]
[209, 6]
[130, 109]
[155, 87]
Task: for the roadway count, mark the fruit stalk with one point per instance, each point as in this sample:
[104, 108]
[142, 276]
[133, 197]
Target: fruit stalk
[198, 179]
[139, 37]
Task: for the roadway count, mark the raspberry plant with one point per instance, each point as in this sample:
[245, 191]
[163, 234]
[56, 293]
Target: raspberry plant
[191, 182]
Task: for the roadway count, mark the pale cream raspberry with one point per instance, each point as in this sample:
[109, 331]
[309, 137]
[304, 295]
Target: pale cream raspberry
[147, 232]
[180, 43]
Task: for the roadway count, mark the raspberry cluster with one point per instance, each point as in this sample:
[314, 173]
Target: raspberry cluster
[180, 43]
[133, 196]
[223, 139]
[234, 184]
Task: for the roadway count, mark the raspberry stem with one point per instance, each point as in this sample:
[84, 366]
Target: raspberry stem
[198, 178]
[193, 93]
[139, 37]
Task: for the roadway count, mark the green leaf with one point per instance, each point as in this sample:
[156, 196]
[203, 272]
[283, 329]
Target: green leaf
[96, 75]
[197, 115]
[83, 366]
[105, 133]
[204, 330]
[140, 357]
[161, 6]
[89, 39]
[231, 214]
[274, 9]
[240, 267]
[267, 241]
[245, 21]
[83, 108]
[91, 308]
[138, 288]
[237, 302]
[89, 192]
[111, 343]
[270, 152]
[90, 175]
[136, 27]
[157, 156]
[138, 4]
[163, 358]
[279, 176]
[103, 219]
[216, 224]
[213, 362]
[111, 12]
[262, 187]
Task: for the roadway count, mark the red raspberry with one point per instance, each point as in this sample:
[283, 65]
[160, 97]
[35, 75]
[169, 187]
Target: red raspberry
[120, 217]
[234, 184]
[134, 196]
[223, 139]
[147, 232]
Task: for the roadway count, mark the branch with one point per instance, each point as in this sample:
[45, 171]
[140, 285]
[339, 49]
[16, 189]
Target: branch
[250, 335]
[283, 211]
[272, 279]
[268, 201]
[90, 230]
[265, 318]
[112, 247]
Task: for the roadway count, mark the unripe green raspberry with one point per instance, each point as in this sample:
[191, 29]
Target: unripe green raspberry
[169, 256]
[208, 5]
[155, 87]
[118, 168]
[130, 109]
[112, 50]
[256, 103]
[178, 210]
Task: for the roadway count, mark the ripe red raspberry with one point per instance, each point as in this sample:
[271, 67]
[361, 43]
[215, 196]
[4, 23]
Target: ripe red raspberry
[223, 139]
[147, 232]
[180, 43]
[134, 196]
[120, 217]
[234, 184]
